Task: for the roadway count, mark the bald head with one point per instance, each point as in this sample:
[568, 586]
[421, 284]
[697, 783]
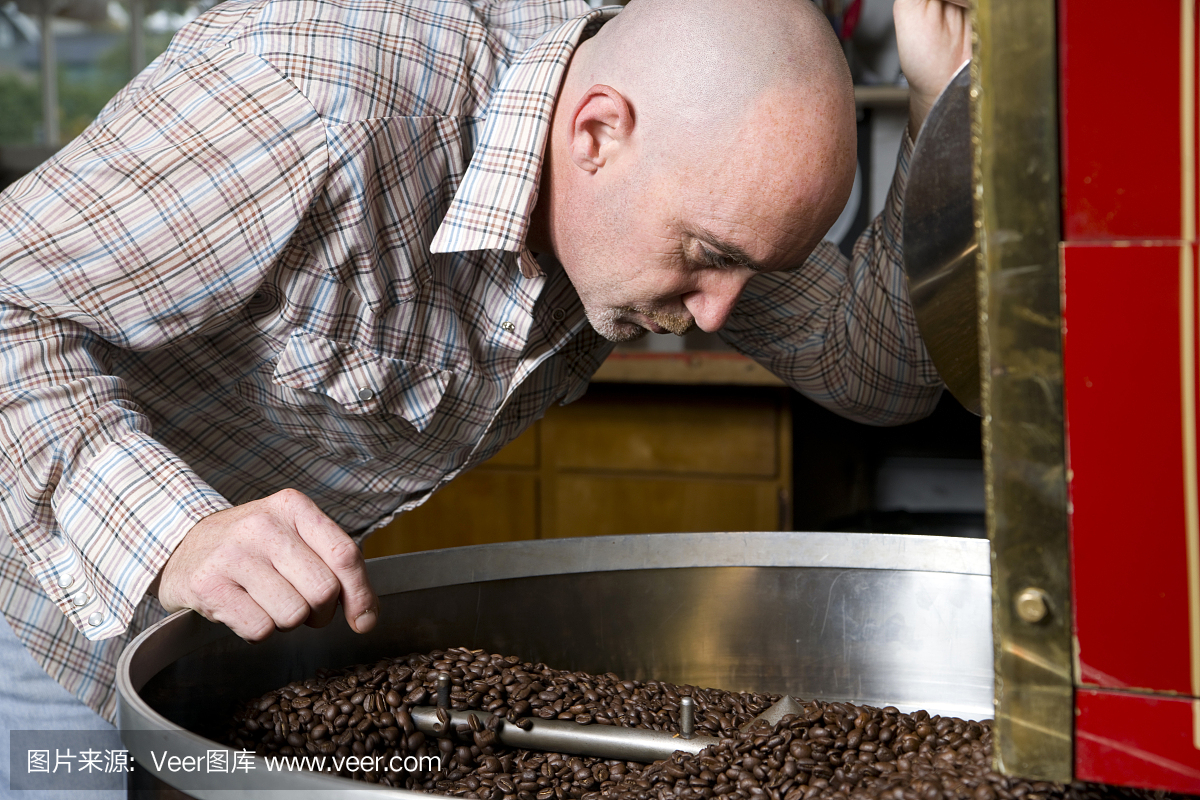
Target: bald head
[699, 65]
[694, 144]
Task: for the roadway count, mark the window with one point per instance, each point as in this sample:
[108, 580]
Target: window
[52, 87]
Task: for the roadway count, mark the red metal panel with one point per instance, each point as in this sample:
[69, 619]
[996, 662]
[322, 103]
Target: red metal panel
[1136, 740]
[1195, 145]
[1120, 68]
[1121, 356]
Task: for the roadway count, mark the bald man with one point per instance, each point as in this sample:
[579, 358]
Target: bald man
[322, 256]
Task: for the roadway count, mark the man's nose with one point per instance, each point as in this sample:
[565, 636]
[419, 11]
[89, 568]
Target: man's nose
[712, 303]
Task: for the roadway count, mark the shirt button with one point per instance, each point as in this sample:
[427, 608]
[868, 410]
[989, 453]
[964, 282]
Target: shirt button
[65, 581]
[95, 618]
[558, 315]
[508, 326]
[80, 599]
[365, 394]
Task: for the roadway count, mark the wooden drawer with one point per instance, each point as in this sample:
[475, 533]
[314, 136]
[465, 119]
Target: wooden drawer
[520, 452]
[479, 507]
[675, 434]
[592, 505]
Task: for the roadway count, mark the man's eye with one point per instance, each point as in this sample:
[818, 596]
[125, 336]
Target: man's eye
[718, 260]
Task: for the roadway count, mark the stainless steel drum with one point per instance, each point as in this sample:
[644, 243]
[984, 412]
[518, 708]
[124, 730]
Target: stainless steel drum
[872, 618]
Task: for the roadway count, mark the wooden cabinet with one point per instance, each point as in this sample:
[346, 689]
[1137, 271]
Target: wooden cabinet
[626, 458]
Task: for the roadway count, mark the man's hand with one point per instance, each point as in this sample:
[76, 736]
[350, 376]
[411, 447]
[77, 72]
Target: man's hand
[273, 563]
[934, 39]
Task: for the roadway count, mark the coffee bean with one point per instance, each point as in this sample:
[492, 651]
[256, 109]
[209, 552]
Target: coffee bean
[828, 751]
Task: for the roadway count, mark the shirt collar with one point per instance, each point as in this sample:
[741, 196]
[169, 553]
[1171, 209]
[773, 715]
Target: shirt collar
[491, 208]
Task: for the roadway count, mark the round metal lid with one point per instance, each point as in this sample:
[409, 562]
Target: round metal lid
[940, 243]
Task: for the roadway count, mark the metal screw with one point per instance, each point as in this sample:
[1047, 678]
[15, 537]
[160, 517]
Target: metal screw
[443, 690]
[1032, 605]
[687, 718]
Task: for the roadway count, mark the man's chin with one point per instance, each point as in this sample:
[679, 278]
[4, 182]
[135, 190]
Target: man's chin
[621, 332]
[611, 325]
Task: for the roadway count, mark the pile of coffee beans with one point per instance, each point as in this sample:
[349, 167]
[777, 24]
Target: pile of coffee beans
[830, 751]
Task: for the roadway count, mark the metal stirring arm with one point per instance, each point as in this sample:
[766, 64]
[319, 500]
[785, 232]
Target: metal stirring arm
[597, 741]
[564, 736]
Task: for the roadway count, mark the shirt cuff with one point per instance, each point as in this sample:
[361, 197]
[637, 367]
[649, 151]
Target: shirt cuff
[120, 516]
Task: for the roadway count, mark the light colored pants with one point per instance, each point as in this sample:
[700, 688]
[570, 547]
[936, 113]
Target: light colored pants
[32, 700]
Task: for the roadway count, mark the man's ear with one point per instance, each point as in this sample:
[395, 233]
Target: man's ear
[602, 124]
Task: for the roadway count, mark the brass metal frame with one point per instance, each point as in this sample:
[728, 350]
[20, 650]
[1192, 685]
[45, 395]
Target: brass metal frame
[1015, 138]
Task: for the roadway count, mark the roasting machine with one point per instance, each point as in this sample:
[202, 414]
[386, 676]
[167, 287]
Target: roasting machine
[871, 618]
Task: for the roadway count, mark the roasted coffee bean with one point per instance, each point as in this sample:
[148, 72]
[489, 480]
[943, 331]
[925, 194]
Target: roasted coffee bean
[828, 751]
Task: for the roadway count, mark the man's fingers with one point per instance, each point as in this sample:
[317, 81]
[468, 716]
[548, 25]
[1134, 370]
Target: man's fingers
[342, 556]
[312, 578]
[271, 563]
[233, 607]
[274, 593]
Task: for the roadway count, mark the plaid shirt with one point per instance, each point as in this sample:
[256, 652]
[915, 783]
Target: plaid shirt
[291, 254]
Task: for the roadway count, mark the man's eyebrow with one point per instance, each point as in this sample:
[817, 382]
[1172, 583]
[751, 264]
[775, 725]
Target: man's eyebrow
[730, 249]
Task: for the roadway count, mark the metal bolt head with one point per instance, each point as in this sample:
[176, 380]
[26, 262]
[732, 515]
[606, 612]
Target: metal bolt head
[1032, 605]
[442, 683]
[687, 718]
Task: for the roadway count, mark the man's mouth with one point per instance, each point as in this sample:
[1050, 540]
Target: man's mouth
[658, 322]
[651, 326]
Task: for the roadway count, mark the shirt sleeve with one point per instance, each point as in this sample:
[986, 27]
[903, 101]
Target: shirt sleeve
[156, 224]
[842, 331]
